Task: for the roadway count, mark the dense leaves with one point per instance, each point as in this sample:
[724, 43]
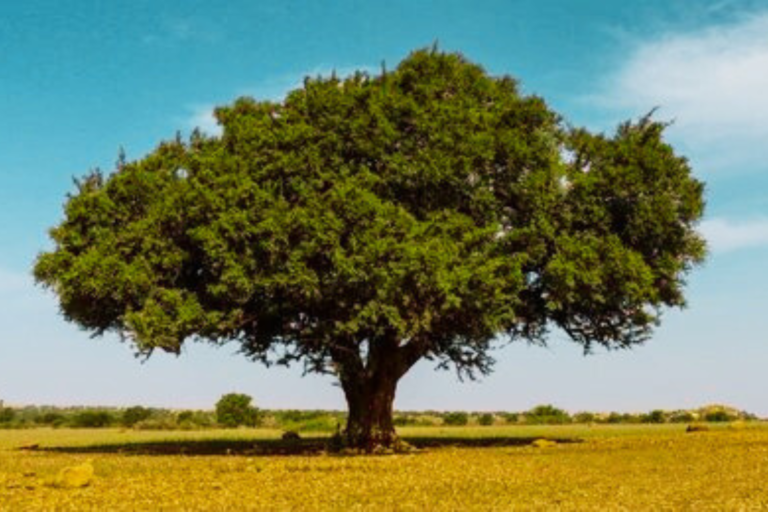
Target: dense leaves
[365, 223]
[235, 409]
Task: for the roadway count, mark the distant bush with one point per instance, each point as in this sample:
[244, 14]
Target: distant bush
[584, 417]
[7, 415]
[403, 421]
[547, 415]
[160, 423]
[616, 417]
[656, 416]
[303, 421]
[90, 418]
[458, 418]
[486, 419]
[53, 419]
[298, 416]
[133, 415]
[719, 416]
[195, 419]
[681, 417]
[721, 413]
[511, 417]
[235, 409]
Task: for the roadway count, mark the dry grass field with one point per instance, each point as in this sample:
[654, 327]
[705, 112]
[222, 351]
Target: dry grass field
[482, 468]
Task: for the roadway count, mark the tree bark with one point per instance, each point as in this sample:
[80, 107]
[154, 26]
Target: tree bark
[370, 392]
[370, 406]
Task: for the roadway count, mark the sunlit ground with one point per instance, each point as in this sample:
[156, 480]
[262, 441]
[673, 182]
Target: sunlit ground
[600, 467]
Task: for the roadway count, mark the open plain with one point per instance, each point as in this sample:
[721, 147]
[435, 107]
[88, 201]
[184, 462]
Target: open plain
[482, 468]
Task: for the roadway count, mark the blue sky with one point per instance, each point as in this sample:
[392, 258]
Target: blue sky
[79, 79]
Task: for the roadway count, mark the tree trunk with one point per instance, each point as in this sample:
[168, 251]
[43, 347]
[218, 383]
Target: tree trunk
[369, 383]
[370, 400]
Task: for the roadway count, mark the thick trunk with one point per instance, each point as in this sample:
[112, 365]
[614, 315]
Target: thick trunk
[369, 385]
[370, 401]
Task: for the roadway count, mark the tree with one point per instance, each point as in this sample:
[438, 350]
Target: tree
[133, 415]
[547, 414]
[364, 224]
[235, 409]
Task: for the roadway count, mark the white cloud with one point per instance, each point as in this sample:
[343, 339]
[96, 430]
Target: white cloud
[712, 82]
[273, 89]
[725, 235]
[203, 119]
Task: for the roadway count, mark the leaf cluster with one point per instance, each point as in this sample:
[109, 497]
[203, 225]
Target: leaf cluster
[426, 212]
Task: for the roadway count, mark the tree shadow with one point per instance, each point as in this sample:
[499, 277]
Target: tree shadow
[425, 442]
[278, 447]
[204, 447]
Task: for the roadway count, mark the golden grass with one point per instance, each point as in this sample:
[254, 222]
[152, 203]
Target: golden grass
[614, 468]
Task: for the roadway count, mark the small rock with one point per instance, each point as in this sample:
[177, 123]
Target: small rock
[75, 476]
[543, 443]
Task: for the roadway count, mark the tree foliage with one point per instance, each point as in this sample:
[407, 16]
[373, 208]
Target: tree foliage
[365, 223]
[135, 414]
[235, 409]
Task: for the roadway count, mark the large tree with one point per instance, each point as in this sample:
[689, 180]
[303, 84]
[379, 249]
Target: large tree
[364, 224]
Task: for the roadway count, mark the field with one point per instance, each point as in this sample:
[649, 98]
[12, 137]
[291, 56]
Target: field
[484, 468]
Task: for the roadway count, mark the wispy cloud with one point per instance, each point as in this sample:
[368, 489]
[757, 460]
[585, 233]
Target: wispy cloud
[273, 89]
[724, 235]
[202, 118]
[712, 82]
[182, 30]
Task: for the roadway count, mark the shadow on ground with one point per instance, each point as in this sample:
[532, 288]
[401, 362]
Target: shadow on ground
[271, 447]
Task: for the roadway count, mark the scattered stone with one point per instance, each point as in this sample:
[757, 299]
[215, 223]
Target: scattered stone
[543, 443]
[290, 435]
[75, 476]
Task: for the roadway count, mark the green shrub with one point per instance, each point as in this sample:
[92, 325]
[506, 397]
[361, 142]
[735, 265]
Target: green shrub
[656, 416]
[235, 409]
[584, 417]
[511, 418]
[91, 419]
[7, 415]
[53, 419]
[616, 417]
[458, 418]
[195, 419]
[546, 415]
[719, 416]
[486, 419]
[133, 415]
[681, 417]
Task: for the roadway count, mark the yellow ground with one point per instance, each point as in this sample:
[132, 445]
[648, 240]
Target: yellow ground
[612, 468]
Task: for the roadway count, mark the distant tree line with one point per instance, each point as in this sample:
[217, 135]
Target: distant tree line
[235, 410]
[551, 415]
